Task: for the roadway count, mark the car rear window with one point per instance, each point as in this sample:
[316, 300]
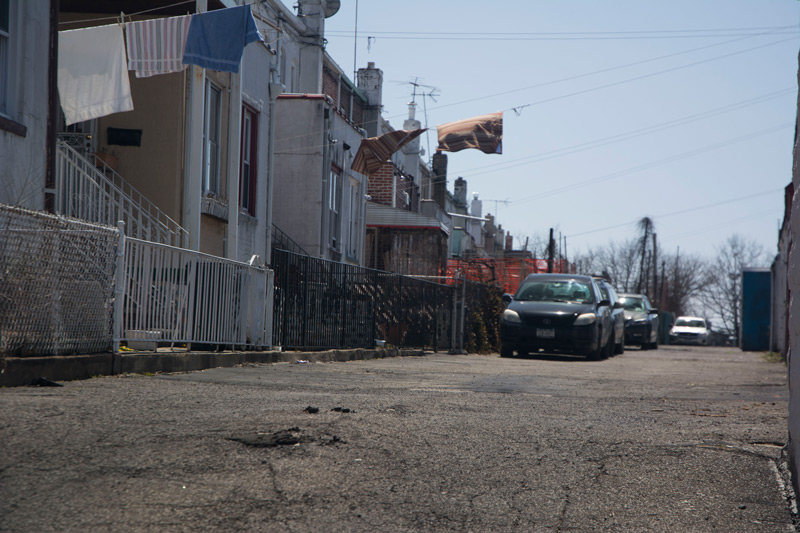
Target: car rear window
[556, 291]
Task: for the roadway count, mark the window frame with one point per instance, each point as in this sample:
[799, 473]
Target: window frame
[7, 63]
[353, 233]
[248, 178]
[335, 206]
[211, 172]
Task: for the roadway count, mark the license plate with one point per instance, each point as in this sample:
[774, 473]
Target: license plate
[546, 333]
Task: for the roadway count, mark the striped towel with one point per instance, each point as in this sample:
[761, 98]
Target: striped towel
[156, 46]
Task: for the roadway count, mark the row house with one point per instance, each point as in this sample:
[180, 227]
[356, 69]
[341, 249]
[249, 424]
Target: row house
[193, 163]
[319, 126]
[190, 163]
[216, 161]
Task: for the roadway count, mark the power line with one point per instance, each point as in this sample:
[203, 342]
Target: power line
[679, 212]
[570, 78]
[627, 80]
[651, 164]
[609, 69]
[589, 145]
[725, 224]
[598, 38]
[706, 30]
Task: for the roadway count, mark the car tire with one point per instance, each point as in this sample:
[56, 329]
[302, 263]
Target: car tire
[609, 349]
[506, 351]
[596, 354]
[619, 348]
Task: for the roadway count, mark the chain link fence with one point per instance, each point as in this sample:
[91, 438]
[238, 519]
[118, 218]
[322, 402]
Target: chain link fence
[56, 284]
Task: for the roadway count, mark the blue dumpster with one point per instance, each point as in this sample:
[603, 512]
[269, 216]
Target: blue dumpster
[756, 309]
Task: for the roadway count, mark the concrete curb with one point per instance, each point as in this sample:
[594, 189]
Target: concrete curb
[20, 371]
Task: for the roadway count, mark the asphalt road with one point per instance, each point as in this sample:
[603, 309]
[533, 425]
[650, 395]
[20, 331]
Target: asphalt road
[677, 439]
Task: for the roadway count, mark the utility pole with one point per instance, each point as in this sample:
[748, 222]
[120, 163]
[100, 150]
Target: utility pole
[655, 269]
[551, 249]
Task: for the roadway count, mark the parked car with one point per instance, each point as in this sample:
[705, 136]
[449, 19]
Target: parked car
[641, 321]
[690, 330]
[608, 292]
[557, 313]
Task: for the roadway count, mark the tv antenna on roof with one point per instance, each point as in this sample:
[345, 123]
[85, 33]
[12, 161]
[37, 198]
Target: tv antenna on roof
[432, 94]
[504, 202]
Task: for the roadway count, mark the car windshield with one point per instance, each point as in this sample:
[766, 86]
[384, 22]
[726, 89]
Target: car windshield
[554, 291]
[690, 323]
[632, 303]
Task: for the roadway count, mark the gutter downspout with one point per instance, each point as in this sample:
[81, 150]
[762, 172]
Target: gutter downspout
[325, 215]
[234, 154]
[193, 148]
[275, 90]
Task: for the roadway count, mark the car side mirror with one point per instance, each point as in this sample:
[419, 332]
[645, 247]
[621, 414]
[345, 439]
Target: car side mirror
[604, 303]
[507, 298]
[653, 311]
[618, 305]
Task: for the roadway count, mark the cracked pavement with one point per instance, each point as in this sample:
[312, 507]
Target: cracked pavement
[677, 439]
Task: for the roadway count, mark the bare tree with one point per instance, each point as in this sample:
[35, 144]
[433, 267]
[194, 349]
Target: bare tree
[722, 287]
[616, 261]
[536, 243]
[682, 279]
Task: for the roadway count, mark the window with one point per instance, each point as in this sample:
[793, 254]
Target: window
[334, 206]
[5, 54]
[211, 138]
[249, 170]
[354, 225]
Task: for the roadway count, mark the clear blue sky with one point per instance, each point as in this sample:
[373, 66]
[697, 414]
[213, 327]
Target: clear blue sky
[624, 108]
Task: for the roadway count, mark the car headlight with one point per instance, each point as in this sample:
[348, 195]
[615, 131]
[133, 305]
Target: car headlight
[511, 317]
[585, 319]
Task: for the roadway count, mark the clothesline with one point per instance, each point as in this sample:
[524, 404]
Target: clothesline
[93, 62]
[128, 14]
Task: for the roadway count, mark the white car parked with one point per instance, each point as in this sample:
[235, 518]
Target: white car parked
[690, 330]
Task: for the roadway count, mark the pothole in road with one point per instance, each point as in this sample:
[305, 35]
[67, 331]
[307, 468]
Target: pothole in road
[285, 437]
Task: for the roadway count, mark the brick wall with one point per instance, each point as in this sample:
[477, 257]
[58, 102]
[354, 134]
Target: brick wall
[343, 97]
[380, 188]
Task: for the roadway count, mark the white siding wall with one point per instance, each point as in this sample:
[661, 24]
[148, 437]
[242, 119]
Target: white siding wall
[22, 172]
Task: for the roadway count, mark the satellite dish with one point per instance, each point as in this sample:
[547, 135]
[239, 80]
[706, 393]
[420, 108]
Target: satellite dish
[331, 8]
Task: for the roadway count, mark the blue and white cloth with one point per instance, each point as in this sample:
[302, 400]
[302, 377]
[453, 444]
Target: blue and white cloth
[216, 39]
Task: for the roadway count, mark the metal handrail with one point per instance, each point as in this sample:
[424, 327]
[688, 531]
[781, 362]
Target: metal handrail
[101, 195]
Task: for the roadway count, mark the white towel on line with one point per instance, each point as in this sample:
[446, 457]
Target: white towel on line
[92, 73]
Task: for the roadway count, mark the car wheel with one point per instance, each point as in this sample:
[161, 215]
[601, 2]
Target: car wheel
[619, 347]
[596, 354]
[609, 349]
[654, 345]
[506, 351]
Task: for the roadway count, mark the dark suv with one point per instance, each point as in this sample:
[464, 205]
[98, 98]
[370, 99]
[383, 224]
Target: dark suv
[641, 321]
[557, 313]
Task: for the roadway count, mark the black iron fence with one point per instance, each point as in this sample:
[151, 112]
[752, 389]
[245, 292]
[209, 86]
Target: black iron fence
[322, 304]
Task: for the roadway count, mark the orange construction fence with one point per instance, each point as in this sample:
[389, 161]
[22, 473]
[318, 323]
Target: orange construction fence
[505, 272]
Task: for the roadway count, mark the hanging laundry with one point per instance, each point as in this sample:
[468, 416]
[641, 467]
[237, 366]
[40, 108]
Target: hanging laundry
[374, 152]
[156, 46]
[92, 73]
[217, 38]
[484, 133]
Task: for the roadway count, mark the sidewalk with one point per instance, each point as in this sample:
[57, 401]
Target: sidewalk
[20, 371]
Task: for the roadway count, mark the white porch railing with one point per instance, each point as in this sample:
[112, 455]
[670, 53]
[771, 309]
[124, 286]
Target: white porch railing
[172, 295]
[83, 191]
